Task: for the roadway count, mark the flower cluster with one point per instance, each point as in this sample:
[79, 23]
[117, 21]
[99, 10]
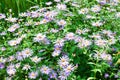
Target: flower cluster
[63, 40]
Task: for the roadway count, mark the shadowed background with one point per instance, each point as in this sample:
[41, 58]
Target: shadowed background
[18, 6]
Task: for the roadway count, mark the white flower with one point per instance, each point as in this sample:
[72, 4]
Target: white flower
[27, 52]
[54, 30]
[100, 42]
[77, 39]
[23, 14]
[48, 3]
[61, 23]
[17, 65]
[2, 33]
[75, 5]
[84, 43]
[11, 70]
[118, 15]
[29, 22]
[45, 70]
[2, 48]
[11, 58]
[57, 0]
[10, 19]
[66, 1]
[26, 67]
[63, 75]
[90, 17]
[2, 60]
[14, 42]
[96, 36]
[61, 6]
[56, 53]
[44, 21]
[69, 68]
[2, 16]
[105, 56]
[111, 41]
[59, 42]
[33, 75]
[70, 36]
[50, 15]
[36, 59]
[63, 61]
[97, 24]
[39, 37]
[13, 27]
[83, 11]
[96, 8]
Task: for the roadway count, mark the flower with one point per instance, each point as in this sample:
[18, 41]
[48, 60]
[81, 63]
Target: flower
[63, 75]
[101, 42]
[13, 42]
[96, 36]
[97, 24]
[29, 23]
[77, 39]
[13, 27]
[26, 67]
[61, 23]
[118, 15]
[49, 15]
[45, 70]
[84, 43]
[2, 65]
[36, 59]
[63, 61]
[90, 17]
[32, 75]
[19, 56]
[96, 8]
[53, 74]
[11, 69]
[69, 68]
[57, 0]
[70, 36]
[10, 19]
[27, 52]
[61, 6]
[2, 16]
[106, 75]
[56, 53]
[17, 65]
[11, 58]
[106, 57]
[102, 2]
[54, 30]
[39, 37]
[83, 11]
[59, 42]
[3, 49]
[48, 3]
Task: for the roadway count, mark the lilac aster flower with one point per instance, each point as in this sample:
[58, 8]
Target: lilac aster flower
[106, 75]
[33, 75]
[19, 56]
[45, 70]
[2, 65]
[53, 74]
[2, 16]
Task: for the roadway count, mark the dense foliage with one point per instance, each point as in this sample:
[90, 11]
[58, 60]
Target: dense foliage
[63, 40]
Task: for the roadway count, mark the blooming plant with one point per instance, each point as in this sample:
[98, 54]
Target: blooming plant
[64, 40]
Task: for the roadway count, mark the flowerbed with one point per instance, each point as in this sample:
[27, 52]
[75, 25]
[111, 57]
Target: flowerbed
[61, 41]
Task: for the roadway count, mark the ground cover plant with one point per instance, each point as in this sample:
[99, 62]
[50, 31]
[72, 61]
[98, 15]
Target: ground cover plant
[62, 40]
